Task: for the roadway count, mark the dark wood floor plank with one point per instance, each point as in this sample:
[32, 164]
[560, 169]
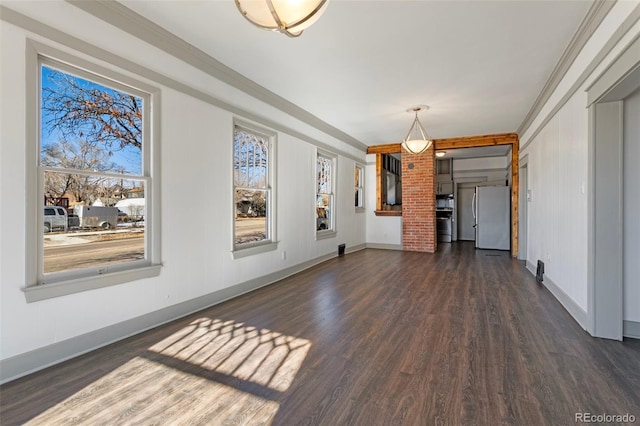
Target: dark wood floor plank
[462, 336]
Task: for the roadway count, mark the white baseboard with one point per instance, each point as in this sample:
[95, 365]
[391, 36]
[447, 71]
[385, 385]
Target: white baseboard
[38, 359]
[384, 246]
[631, 329]
[355, 248]
[531, 267]
[578, 314]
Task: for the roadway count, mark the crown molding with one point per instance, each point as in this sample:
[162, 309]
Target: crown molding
[142, 28]
[55, 35]
[597, 12]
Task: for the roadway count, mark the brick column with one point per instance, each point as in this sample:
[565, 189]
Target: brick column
[419, 201]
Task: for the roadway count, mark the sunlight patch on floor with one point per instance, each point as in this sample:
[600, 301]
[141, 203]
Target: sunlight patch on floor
[261, 356]
[143, 391]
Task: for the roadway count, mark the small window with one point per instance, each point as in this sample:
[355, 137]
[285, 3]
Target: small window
[325, 197]
[253, 189]
[359, 187]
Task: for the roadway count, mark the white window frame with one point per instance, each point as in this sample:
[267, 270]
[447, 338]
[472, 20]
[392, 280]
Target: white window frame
[360, 207]
[332, 230]
[40, 286]
[239, 251]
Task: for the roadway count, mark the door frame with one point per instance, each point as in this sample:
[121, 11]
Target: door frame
[523, 225]
[453, 143]
[605, 275]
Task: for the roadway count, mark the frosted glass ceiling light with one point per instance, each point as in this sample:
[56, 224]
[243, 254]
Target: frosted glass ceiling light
[289, 17]
[417, 140]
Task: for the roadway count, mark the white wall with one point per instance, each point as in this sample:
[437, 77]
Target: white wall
[196, 143]
[557, 147]
[481, 169]
[557, 169]
[631, 263]
[381, 230]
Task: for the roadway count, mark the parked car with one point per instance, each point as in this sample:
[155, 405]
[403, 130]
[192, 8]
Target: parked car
[55, 218]
[73, 221]
[122, 217]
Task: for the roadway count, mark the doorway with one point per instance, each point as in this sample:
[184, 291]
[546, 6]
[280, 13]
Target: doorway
[524, 205]
[610, 315]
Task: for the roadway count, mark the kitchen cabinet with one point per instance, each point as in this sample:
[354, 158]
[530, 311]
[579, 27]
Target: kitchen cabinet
[444, 188]
[444, 170]
[444, 176]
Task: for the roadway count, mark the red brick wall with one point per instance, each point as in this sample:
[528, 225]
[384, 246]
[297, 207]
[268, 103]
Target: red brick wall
[419, 202]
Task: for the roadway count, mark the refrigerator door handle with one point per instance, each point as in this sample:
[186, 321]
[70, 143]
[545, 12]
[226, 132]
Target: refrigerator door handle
[473, 206]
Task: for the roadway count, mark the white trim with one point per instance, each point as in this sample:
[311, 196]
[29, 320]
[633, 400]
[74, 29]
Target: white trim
[578, 314]
[270, 244]
[360, 208]
[593, 18]
[63, 288]
[631, 329]
[355, 248]
[36, 27]
[142, 28]
[588, 71]
[324, 234]
[264, 247]
[382, 246]
[77, 280]
[332, 231]
[605, 87]
[20, 365]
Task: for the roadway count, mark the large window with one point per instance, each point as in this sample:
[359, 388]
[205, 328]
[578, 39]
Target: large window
[94, 181]
[325, 197]
[252, 181]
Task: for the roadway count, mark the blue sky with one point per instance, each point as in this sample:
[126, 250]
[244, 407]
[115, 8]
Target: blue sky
[128, 157]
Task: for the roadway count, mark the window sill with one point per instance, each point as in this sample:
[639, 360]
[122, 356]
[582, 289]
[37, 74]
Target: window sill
[388, 212]
[77, 285]
[257, 249]
[321, 235]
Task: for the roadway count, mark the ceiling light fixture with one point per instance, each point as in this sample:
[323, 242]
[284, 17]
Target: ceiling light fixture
[417, 140]
[440, 154]
[289, 17]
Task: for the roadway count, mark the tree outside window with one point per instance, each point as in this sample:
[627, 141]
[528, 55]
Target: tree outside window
[91, 156]
[324, 193]
[252, 187]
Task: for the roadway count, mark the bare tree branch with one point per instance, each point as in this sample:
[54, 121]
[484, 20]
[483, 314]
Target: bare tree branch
[104, 116]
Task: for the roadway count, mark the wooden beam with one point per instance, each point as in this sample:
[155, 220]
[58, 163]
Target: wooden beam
[465, 142]
[476, 141]
[379, 182]
[515, 199]
[390, 148]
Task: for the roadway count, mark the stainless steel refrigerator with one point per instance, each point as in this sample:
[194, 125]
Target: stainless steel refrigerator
[492, 214]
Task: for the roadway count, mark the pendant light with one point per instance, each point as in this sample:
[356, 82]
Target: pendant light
[417, 140]
[288, 17]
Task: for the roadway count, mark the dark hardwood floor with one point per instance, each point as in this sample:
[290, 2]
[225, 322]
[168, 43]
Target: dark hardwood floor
[376, 337]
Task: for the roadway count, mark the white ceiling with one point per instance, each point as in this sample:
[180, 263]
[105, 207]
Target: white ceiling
[479, 65]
